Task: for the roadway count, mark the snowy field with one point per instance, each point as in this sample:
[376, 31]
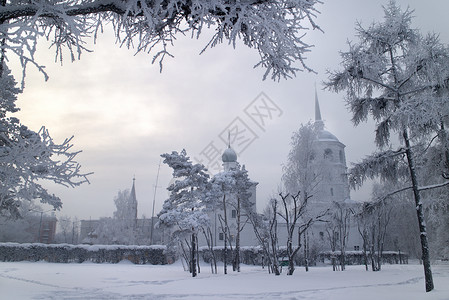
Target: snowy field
[41, 280]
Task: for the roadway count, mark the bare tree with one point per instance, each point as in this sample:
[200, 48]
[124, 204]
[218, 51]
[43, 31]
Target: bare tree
[265, 229]
[376, 218]
[332, 236]
[342, 220]
[293, 212]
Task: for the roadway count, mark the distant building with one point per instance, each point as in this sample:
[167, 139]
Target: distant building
[139, 228]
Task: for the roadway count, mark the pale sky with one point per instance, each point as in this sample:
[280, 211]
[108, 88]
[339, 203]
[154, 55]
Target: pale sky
[124, 113]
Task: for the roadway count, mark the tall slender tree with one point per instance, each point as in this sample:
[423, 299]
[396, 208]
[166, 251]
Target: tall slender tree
[186, 208]
[399, 78]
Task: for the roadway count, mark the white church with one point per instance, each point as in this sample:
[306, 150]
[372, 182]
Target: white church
[332, 188]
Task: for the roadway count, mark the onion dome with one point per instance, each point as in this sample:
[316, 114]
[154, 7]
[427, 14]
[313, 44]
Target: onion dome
[229, 155]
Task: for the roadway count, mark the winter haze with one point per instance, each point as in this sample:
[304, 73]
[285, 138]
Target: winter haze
[124, 113]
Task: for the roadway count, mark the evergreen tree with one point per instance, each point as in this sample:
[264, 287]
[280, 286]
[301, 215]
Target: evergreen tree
[186, 209]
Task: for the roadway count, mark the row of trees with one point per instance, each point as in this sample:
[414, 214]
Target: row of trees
[195, 198]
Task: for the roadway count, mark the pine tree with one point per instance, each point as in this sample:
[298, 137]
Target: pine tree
[186, 209]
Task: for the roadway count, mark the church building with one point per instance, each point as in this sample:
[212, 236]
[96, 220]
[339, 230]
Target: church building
[332, 190]
[247, 236]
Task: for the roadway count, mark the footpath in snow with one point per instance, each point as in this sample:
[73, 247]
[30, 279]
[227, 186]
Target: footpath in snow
[42, 280]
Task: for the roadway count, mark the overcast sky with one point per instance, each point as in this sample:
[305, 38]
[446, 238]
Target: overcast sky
[124, 113]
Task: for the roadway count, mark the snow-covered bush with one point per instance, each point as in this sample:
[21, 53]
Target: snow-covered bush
[67, 253]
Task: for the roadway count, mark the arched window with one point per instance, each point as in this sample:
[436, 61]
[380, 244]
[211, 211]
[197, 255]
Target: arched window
[342, 156]
[328, 154]
[332, 191]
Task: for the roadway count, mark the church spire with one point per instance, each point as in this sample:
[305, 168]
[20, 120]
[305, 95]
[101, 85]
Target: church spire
[133, 189]
[134, 201]
[318, 120]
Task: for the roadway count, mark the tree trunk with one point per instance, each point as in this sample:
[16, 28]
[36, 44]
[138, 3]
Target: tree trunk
[372, 250]
[193, 257]
[365, 255]
[237, 241]
[210, 244]
[225, 237]
[420, 214]
[290, 254]
[306, 251]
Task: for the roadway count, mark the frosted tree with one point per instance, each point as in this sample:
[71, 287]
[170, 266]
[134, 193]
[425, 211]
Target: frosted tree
[66, 230]
[186, 209]
[232, 187]
[27, 157]
[274, 28]
[332, 237]
[434, 163]
[125, 218]
[340, 224]
[126, 208]
[374, 219]
[243, 206]
[301, 172]
[399, 78]
[265, 230]
[223, 186]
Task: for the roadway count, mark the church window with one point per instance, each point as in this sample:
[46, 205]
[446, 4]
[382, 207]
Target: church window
[233, 214]
[220, 236]
[332, 191]
[336, 235]
[312, 156]
[342, 157]
[328, 154]
[321, 235]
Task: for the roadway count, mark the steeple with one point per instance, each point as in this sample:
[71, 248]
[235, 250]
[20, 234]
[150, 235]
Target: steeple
[134, 200]
[318, 120]
[229, 156]
[133, 190]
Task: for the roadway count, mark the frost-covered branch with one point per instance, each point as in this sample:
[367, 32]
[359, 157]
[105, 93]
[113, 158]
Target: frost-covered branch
[274, 28]
[433, 186]
[388, 165]
[27, 157]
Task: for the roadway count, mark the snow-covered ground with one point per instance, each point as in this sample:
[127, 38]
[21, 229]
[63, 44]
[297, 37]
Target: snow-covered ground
[41, 280]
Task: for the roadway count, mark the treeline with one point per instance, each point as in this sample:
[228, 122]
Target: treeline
[254, 255]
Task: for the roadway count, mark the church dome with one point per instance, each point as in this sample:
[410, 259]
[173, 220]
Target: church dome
[325, 135]
[229, 155]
